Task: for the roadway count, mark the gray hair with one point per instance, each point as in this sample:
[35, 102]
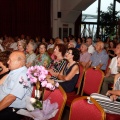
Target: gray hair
[34, 45]
[73, 42]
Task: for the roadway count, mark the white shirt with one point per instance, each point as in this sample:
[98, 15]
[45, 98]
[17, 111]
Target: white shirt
[113, 66]
[91, 49]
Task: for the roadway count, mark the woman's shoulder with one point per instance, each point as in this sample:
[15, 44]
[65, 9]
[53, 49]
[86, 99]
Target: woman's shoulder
[117, 76]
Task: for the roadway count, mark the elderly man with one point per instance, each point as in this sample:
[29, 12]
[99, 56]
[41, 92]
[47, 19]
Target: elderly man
[84, 55]
[13, 93]
[99, 58]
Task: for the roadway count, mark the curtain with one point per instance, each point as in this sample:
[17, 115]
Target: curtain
[29, 17]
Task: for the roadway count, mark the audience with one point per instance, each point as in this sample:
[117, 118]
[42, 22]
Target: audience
[13, 93]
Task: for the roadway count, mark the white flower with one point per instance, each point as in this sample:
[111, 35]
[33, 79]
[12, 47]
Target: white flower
[32, 100]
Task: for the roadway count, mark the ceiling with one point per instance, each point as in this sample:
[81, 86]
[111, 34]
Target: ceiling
[71, 9]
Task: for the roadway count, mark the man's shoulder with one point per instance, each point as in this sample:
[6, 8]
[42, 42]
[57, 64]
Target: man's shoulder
[21, 70]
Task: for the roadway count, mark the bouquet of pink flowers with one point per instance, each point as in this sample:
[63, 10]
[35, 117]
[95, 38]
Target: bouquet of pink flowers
[38, 74]
[36, 108]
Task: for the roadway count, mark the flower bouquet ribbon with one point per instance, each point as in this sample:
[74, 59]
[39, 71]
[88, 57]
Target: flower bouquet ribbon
[49, 110]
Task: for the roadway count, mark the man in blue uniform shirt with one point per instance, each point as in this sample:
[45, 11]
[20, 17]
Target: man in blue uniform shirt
[13, 93]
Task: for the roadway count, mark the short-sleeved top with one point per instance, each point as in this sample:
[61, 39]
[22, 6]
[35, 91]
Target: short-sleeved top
[13, 86]
[44, 60]
[30, 58]
[113, 66]
[85, 57]
[100, 58]
[69, 86]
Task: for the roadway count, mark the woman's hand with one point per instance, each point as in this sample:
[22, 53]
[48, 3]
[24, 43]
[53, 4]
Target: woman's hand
[53, 73]
[113, 97]
[48, 76]
[50, 81]
[108, 93]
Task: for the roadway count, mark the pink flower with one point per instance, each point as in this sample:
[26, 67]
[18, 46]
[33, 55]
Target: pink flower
[35, 73]
[56, 84]
[44, 83]
[50, 86]
[33, 80]
[25, 83]
[21, 80]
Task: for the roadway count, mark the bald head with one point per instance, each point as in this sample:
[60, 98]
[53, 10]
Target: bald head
[16, 60]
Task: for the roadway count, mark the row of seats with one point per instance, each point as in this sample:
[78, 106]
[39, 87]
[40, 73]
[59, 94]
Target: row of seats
[82, 108]
[90, 81]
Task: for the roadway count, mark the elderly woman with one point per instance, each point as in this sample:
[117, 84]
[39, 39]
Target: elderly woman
[69, 75]
[56, 65]
[30, 56]
[4, 70]
[21, 45]
[42, 58]
[72, 44]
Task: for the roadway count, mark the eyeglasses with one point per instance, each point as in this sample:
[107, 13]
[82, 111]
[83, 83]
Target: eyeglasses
[68, 52]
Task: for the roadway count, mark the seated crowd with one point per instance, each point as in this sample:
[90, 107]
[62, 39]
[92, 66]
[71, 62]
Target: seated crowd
[61, 58]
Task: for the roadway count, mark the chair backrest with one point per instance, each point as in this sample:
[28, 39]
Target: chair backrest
[92, 81]
[107, 68]
[78, 85]
[59, 96]
[81, 109]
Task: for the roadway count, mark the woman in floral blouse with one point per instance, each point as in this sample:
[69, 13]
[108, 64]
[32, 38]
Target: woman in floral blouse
[42, 58]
